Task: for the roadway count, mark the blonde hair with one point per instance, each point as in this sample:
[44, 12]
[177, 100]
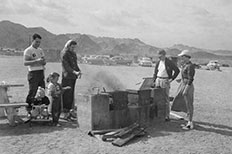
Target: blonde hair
[69, 43]
[40, 91]
[52, 76]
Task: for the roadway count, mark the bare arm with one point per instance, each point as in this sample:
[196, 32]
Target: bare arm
[28, 61]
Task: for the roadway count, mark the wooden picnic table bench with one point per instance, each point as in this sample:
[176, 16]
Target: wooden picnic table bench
[10, 109]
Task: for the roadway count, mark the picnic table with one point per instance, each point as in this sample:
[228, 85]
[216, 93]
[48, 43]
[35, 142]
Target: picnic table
[9, 109]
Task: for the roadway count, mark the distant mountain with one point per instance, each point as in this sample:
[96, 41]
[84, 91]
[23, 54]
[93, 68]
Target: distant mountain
[203, 55]
[13, 35]
[194, 49]
[222, 52]
[109, 45]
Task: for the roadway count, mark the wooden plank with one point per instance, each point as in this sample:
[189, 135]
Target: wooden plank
[119, 132]
[147, 83]
[100, 132]
[6, 105]
[122, 141]
[12, 85]
[177, 116]
[40, 120]
[3, 99]
[112, 134]
[130, 128]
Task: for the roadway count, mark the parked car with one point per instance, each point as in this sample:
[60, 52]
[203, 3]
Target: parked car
[100, 60]
[197, 66]
[95, 60]
[145, 61]
[213, 65]
[121, 60]
[109, 61]
[84, 58]
[225, 65]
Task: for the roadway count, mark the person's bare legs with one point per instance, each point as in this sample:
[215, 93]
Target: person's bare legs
[189, 107]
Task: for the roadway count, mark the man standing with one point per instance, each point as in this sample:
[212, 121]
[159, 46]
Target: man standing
[165, 72]
[35, 61]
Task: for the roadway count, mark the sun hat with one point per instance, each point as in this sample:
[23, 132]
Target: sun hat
[185, 53]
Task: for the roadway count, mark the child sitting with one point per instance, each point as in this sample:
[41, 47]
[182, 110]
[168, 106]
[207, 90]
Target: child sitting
[55, 92]
[39, 104]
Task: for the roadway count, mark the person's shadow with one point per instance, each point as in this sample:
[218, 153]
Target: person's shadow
[35, 128]
[161, 128]
[215, 128]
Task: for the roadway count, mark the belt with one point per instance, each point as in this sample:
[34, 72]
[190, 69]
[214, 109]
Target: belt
[162, 77]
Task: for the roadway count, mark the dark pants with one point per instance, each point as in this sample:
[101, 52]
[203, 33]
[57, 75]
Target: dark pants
[56, 109]
[68, 96]
[35, 79]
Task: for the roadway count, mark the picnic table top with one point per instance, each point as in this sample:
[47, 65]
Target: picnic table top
[17, 104]
[11, 85]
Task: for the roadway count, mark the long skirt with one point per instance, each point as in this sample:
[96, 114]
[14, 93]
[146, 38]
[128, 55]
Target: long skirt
[68, 96]
[179, 104]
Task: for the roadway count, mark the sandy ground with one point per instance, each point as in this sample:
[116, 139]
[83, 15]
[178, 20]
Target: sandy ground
[213, 122]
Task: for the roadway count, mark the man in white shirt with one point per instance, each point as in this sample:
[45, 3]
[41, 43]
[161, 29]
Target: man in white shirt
[35, 61]
[165, 72]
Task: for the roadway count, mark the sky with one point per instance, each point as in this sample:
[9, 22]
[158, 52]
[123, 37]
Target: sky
[162, 23]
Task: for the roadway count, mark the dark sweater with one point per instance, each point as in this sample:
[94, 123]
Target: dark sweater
[69, 64]
[44, 101]
[188, 72]
[170, 68]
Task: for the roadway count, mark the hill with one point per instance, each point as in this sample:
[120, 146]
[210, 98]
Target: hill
[17, 36]
[201, 51]
[14, 35]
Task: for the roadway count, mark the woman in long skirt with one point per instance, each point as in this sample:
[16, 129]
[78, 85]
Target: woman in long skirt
[185, 94]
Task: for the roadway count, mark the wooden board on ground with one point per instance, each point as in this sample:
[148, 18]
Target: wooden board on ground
[122, 141]
[176, 116]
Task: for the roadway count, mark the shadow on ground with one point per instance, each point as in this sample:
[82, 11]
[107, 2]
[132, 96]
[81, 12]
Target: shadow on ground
[35, 128]
[214, 128]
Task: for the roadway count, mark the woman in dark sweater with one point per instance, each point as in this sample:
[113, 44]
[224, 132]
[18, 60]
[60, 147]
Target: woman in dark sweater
[70, 72]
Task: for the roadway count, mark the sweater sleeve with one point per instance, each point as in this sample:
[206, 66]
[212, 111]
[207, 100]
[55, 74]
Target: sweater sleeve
[155, 71]
[65, 62]
[176, 71]
[191, 73]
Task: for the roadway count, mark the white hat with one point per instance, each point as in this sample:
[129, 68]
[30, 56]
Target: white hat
[185, 53]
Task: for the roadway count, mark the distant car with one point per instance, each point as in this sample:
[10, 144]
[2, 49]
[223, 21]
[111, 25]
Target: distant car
[95, 60]
[121, 60]
[84, 58]
[145, 61]
[197, 66]
[100, 60]
[108, 61]
[225, 65]
[213, 65]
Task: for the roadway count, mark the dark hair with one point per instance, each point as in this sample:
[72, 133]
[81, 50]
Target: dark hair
[51, 76]
[36, 36]
[188, 56]
[161, 52]
[73, 43]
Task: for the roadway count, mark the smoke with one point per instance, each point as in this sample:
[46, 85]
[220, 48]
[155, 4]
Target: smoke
[105, 80]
